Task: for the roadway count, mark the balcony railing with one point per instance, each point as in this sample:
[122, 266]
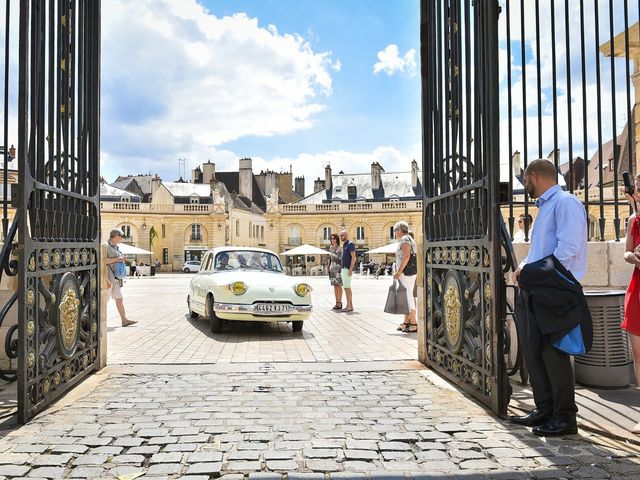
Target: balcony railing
[350, 207]
[156, 208]
[195, 238]
[295, 241]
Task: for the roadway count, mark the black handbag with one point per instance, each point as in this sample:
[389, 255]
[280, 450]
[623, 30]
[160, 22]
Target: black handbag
[411, 268]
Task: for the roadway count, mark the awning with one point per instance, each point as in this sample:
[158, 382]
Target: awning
[131, 250]
[305, 249]
[391, 248]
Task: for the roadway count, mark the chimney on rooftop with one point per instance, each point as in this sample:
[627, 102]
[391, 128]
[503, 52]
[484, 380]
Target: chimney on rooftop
[414, 174]
[155, 183]
[376, 175]
[299, 188]
[196, 175]
[245, 179]
[208, 172]
[327, 177]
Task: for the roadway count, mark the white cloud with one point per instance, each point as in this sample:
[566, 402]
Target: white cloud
[309, 165]
[390, 62]
[312, 165]
[179, 80]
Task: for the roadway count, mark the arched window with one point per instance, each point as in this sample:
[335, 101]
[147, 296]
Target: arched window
[326, 233]
[126, 231]
[295, 238]
[360, 233]
[196, 233]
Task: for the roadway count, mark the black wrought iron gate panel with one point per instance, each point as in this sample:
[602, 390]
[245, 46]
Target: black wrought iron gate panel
[464, 287]
[58, 201]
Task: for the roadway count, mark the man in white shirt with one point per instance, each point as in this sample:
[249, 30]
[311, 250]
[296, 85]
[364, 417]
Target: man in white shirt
[519, 237]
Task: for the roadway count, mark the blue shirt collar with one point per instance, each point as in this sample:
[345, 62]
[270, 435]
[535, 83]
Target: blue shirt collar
[547, 195]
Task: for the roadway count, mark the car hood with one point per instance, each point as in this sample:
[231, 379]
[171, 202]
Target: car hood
[254, 278]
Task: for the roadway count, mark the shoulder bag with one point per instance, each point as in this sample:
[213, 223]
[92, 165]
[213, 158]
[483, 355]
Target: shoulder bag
[397, 302]
[411, 268]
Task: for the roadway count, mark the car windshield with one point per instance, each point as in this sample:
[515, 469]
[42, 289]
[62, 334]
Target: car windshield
[247, 260]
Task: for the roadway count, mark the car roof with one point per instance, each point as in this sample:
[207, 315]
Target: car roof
[237, 248]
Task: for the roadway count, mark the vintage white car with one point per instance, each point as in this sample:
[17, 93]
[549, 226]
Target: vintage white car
[247, 284]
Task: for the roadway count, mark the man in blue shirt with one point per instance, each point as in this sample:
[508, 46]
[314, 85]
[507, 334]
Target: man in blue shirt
[561, 230]
[348, 262]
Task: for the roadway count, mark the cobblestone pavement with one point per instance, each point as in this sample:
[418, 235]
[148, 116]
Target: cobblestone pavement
[308, 423]
[343, 399]
[166, 335]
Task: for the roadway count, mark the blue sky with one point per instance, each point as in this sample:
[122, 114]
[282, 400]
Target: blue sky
[298, 83]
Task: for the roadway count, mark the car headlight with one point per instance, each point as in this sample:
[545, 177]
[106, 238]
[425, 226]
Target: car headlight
[238, 288]
[302, 289]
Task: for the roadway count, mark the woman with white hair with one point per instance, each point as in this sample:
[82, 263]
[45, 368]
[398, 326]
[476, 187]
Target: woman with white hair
[114, 272]
[406, 271]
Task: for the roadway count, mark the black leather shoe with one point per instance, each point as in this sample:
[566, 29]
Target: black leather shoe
[532, 419]
[557, 427]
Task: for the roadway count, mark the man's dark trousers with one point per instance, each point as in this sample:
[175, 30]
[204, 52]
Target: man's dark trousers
[550, 372]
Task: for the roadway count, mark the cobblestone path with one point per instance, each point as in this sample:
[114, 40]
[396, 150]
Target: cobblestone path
[298, 424]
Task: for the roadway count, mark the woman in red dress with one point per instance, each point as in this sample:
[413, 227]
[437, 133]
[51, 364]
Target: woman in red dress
[631, 322]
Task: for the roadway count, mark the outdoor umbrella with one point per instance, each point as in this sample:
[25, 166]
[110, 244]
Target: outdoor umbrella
[131, 250]
[385, 250]
[305, 250]
[391, 248]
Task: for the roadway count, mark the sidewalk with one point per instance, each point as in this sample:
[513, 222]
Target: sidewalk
[612, 413]
[309, 421]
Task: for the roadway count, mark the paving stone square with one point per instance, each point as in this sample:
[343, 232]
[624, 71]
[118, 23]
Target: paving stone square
[343, 399]
[510, 452]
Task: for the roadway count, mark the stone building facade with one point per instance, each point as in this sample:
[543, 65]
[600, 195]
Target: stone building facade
[178, 221]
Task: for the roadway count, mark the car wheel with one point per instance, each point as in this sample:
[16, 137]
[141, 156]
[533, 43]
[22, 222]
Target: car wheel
[297, 326]
[186, 270]
[192, 314]
[215, 324]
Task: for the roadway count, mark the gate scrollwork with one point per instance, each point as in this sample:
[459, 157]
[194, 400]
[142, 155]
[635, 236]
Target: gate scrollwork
[58, 201]
[464, 291]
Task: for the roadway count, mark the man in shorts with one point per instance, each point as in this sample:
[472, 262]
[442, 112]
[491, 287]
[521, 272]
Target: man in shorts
[111, 285]
[348, 262]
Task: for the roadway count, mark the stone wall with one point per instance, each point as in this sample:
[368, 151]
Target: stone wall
[606, 269]
[8, 285]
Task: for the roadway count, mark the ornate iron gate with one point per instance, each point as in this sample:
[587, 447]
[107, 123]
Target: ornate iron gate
[464, 279]
[57, 205]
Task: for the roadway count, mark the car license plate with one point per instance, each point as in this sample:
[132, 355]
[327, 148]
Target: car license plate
[272, 308]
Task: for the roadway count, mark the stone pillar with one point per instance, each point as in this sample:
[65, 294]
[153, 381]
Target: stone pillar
[102, 328]
[636, 120]
[8, 286]
[218, 225]
[272, 232]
